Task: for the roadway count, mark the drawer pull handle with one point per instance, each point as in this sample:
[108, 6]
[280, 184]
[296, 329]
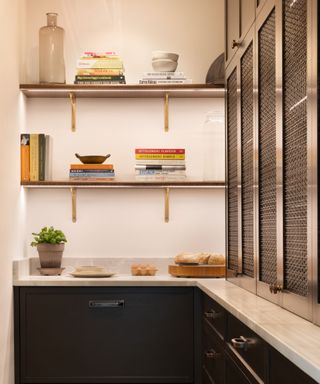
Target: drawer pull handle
[235, 44]
[212, 354]
[212, 314]
[106, 304]
[240, 343]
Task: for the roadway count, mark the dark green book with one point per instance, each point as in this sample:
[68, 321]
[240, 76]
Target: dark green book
[42, 156]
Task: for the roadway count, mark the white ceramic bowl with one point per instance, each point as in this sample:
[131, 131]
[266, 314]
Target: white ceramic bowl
[164, 65]
[164, 55]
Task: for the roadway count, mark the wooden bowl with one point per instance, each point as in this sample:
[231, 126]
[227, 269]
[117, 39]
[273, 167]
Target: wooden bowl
[92, 159]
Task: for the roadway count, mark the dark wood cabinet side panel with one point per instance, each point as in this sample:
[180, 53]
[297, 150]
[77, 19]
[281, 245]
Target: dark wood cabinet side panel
[281, 370]
[150, 339]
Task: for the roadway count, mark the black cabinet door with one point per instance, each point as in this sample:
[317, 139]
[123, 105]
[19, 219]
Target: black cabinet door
[106, 335]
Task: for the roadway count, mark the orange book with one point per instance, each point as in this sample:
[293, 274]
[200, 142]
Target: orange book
[91, 166]
[25, 157]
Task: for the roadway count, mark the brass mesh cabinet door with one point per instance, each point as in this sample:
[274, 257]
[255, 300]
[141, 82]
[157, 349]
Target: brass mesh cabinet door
[232, 192]
[295, 150]
[267, 193]
[247, 162]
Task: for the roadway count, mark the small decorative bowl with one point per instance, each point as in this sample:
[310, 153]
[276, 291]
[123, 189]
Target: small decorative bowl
[164, 65]
[92, 159]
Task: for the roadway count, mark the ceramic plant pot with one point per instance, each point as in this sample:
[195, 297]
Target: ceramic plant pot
[50, 255]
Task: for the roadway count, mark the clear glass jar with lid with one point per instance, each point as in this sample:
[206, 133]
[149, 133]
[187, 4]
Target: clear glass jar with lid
[213, 146]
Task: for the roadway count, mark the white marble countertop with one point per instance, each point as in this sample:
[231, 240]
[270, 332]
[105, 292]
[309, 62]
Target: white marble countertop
[296, 338]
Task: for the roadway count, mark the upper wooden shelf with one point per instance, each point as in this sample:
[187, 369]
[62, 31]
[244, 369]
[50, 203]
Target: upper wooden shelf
[124, 183]
[122, 90]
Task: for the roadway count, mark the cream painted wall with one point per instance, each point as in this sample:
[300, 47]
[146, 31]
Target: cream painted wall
[124, 223]
[134, 28]
[10, 224]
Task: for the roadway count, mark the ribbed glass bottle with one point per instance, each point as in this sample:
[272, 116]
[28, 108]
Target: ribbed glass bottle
[51, 52]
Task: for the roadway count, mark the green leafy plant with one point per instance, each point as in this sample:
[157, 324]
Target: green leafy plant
[49, 236]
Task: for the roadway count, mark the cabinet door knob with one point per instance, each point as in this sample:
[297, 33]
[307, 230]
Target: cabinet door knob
[275, 288]
[106, 303]
[212, 314]
[212, 354]
[240, 343]
[235, 44]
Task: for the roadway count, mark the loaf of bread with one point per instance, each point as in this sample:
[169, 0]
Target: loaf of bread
[192, 258]
[216, 259]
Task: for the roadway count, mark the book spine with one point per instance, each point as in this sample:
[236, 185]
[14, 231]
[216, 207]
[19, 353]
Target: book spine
[42, 156]
[25, 157]
[99, 72]
[47, 171]
[163, 167]
[99, 78]
[98, 171]
[100, 63]
[160, 162]
[186, 81]
[159, 156]
[34, 157]
[91, 179]
[100, 82]
[159, 150]
[91, 166]
[148, 74]
[92, 174]
[158, 172]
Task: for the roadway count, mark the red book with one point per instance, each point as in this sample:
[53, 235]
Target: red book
[173, 151]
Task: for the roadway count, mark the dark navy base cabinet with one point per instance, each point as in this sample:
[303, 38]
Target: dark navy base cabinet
[104, 335]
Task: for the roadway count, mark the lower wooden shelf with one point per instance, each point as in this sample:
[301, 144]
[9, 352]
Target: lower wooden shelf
[128, 183]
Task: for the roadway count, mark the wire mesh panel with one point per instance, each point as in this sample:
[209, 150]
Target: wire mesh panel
[247, 161]
[295, 146]
[267, 152]
[232, 172]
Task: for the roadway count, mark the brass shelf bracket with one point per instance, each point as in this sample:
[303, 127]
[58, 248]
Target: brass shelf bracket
[166, 112]
[166, 205]
[74, 204]
[72, 97]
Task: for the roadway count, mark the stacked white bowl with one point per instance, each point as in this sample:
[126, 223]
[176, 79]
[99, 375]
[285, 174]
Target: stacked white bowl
[163, 61]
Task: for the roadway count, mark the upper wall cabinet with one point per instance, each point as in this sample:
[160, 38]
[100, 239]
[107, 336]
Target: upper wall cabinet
[239, 15]
[271, 150]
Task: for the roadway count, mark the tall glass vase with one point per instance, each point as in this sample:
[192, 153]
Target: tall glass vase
[51, 52]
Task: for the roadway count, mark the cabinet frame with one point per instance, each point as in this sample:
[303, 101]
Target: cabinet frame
[305, 306]
[238, 277]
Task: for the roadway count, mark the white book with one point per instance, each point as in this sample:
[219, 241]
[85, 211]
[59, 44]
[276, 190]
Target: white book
[186, 81]
[148, 74]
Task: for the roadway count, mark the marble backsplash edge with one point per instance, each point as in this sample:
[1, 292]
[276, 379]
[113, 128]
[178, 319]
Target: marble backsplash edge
[115, 265]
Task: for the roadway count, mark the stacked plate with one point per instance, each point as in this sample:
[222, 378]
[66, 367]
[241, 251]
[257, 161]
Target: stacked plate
[91, 271]
[163, 61]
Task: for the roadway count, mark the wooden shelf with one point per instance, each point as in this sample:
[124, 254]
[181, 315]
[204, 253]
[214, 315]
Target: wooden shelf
[124, 183]
[122, 90]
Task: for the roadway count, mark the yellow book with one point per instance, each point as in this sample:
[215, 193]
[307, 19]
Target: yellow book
[34, 157]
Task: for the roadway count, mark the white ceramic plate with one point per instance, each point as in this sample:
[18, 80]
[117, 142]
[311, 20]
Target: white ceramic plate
[91, 274]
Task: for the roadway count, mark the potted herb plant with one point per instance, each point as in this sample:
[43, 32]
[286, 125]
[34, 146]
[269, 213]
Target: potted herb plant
[50, 245]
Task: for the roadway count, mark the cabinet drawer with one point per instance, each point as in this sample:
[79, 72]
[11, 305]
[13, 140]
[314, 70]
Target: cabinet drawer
[212, 354]
[106, 335]
[247, 346]
[215, 315]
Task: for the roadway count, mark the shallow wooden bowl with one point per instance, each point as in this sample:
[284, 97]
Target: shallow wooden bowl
[92, 159]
